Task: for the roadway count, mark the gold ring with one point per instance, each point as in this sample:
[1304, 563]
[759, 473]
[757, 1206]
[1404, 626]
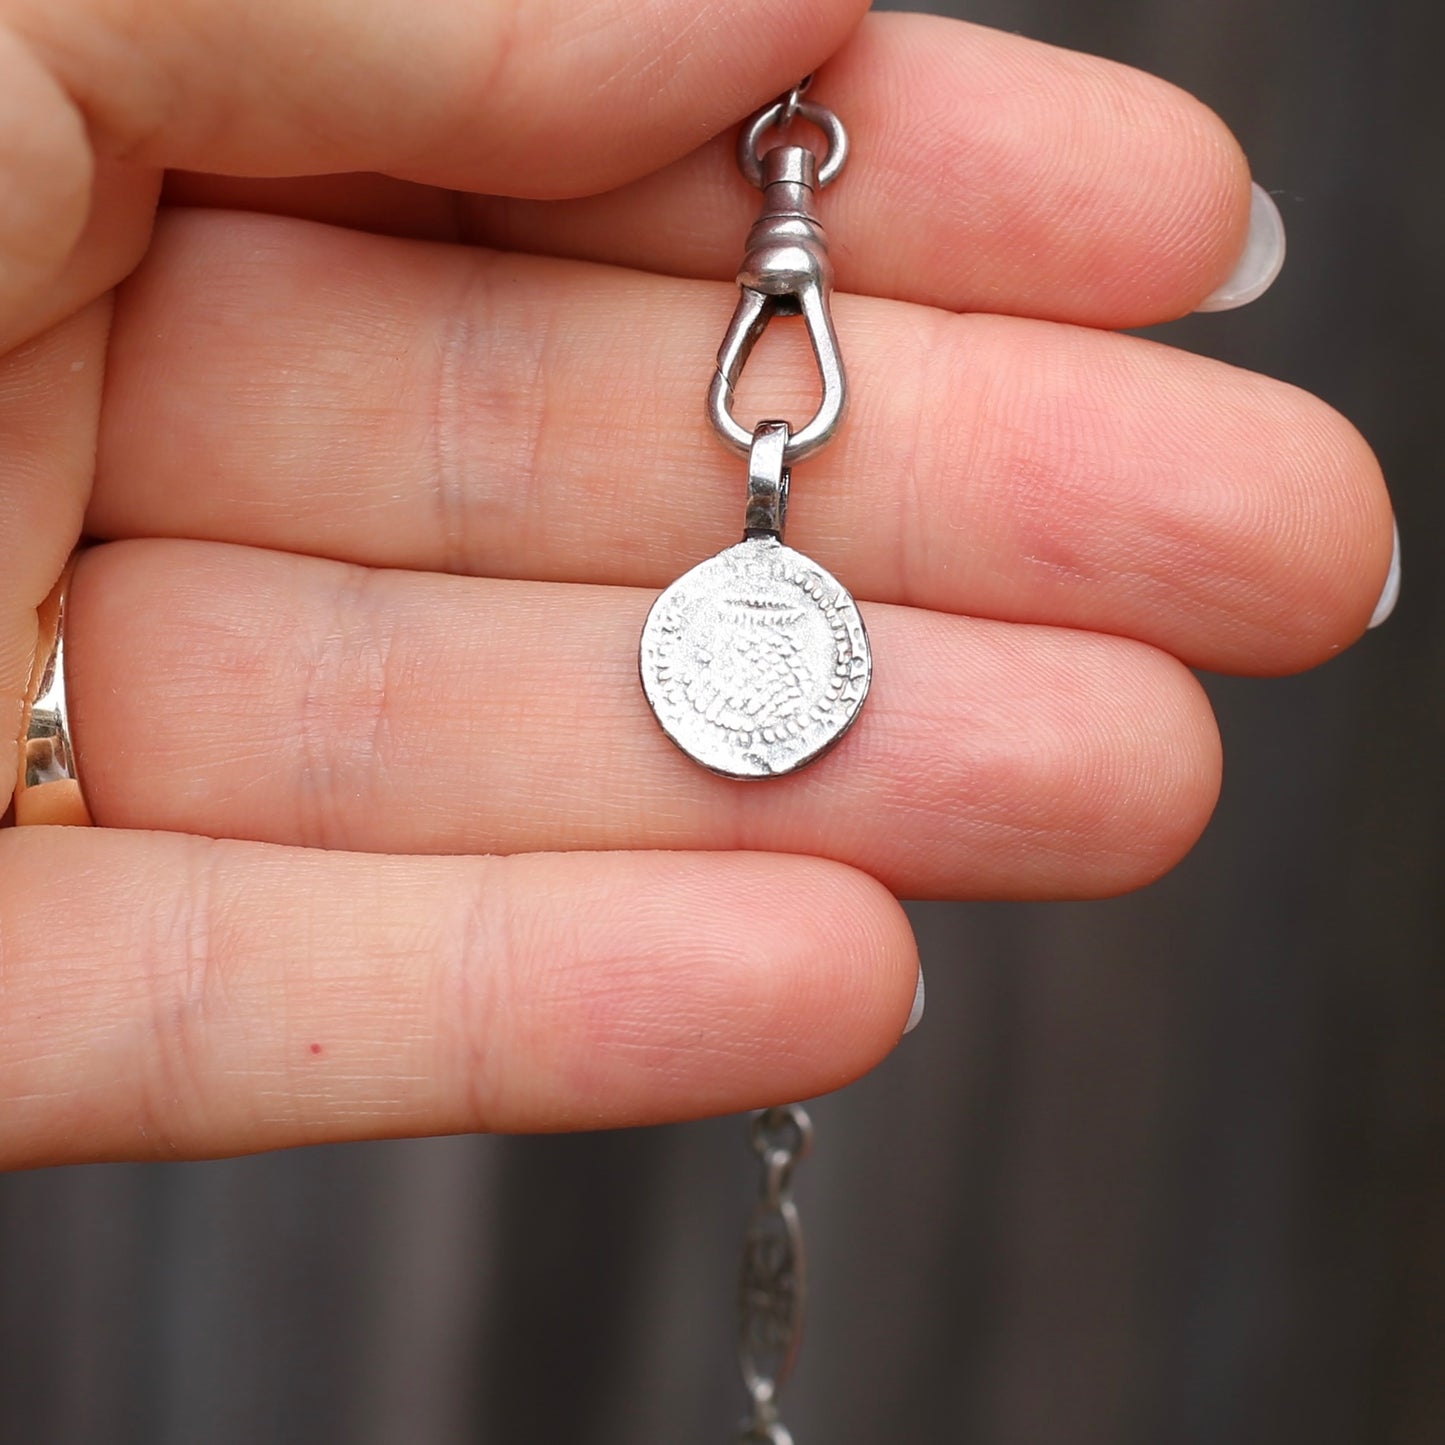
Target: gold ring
[47, 787]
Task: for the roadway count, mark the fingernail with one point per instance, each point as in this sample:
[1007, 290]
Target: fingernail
[1262, 260]
[916, 1012]
[1391, 595]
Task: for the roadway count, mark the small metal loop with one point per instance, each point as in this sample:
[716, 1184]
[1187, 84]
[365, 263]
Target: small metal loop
[792, 100]
[765, 1433]
[772, 1283]
[764, 1395]
[778, 1165]
[772, 1293]
[768, 479]
[750, 319]
[781, 113]
[754, 310]
[784, 1126]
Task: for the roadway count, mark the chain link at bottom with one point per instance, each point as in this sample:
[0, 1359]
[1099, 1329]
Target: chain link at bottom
[772, 1282]
[774, 1434]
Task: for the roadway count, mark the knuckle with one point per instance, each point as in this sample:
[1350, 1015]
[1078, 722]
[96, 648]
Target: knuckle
[46, 166]
[477, 999]
[488, 441]
[182, 967]
[345, 746]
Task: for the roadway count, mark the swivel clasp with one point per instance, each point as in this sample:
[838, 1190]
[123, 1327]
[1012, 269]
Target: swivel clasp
[786, 272]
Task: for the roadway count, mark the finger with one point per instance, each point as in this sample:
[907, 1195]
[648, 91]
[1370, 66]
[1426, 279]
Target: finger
[988, 173]
[531, 97]
[120, 211]
[73, 224]
[167, 997]
[49, 401]
[408, 405]
[244, 693]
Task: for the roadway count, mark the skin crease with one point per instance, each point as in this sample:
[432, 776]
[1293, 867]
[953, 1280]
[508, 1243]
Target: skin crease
[440, 893]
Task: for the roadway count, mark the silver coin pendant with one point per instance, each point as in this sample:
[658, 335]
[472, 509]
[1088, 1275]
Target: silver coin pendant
[756, 661]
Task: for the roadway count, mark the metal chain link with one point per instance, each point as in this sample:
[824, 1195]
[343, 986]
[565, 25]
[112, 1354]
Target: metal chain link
[792, 101]
[772, 1284]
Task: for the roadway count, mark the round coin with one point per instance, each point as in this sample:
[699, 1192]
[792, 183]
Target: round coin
[756, 661]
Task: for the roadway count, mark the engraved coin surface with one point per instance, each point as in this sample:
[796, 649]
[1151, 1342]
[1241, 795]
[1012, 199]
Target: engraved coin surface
[756, 661]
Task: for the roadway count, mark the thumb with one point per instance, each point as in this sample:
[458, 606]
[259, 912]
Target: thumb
[529, 97]
[49, 402]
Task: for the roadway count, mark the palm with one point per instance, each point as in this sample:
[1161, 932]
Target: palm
[385, 509]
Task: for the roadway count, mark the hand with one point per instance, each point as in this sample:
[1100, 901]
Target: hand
[390, 841]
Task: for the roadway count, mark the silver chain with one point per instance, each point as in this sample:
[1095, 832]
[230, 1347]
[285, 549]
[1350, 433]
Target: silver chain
[772, 1284]
[786, 272]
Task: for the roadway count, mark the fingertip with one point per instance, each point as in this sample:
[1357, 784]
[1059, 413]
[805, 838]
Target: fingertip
[46, 171]
[860, 978]
[638, 88]
[1214, 195]
[1161, 752]
[825, 970]
[1113, 197]
[727, 982]
[1194, 194]
[1342, 541]
[1181, 751]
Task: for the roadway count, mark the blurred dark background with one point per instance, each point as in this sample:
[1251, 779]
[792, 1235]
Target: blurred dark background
[1166, 1168]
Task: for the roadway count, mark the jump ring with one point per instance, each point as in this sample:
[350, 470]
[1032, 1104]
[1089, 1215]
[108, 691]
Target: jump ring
[750, 162]
[792, 100]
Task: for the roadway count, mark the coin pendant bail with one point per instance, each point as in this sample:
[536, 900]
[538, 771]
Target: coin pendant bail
[757, 662]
